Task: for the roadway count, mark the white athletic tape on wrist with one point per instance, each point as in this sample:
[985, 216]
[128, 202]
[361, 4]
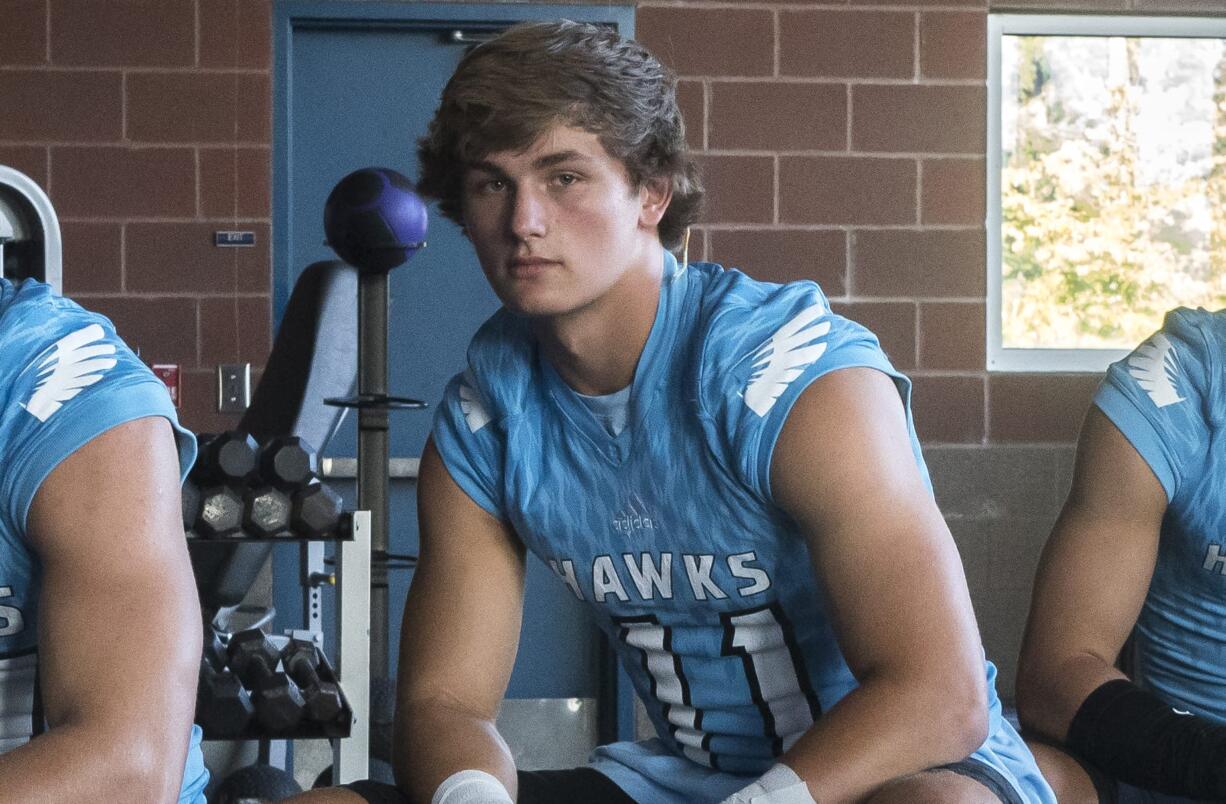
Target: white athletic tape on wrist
[471, 787]
[779, 785]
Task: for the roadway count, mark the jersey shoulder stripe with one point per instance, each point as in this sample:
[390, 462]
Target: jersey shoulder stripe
[762, 345]
[1165, 397]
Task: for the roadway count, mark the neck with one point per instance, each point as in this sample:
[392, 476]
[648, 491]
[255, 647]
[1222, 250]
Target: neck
[596, 349]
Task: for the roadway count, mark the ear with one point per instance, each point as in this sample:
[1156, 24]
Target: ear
[654, 198]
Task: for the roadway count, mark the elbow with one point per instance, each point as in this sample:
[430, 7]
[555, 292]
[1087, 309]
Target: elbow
[147, 774]
[964, 716]
[968, 730]
[967, 726]
[1038, 696]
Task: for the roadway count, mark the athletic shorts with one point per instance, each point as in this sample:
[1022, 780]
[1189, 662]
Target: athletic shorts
[1113, 791]
[987, 776]
[593, 787]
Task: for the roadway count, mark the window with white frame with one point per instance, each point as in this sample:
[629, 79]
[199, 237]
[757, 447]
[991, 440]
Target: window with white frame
[1106, 165]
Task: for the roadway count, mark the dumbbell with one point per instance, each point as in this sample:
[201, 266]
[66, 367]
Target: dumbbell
[226, 459]
[316, 511]
[221, 513]
[323, 698]
[285, 465]
[223, 707]
[279, 705]
[266, 512]
[287, 462]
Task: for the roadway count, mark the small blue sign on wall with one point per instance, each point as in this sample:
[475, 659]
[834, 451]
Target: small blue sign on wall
[222, 238]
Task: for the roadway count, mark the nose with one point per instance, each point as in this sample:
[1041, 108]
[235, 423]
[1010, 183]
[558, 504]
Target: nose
[528, 214]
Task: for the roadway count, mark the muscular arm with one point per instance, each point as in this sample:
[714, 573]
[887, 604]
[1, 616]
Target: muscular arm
[458, 639]
[119, 626]
[894, 586]
[1092, 579]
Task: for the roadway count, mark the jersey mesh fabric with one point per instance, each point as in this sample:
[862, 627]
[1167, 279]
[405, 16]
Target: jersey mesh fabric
[1167, 400]
[668, 530]
[65, 378]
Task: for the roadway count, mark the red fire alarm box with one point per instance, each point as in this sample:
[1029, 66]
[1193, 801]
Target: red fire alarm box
[169, 374]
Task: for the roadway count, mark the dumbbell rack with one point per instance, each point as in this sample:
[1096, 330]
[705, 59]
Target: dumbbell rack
[352, 655]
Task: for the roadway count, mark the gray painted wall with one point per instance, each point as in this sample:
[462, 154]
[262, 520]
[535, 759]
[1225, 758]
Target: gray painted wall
[1000, 503]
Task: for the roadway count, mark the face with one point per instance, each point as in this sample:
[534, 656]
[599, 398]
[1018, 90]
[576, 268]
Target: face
[558, 227]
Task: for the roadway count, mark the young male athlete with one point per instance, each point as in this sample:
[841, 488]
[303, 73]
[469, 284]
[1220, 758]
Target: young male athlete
[1140, 549]
[99, 622]
[722, 469]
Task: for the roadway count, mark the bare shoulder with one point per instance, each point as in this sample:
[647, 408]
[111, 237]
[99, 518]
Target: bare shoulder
[1110, 475]
[123, 482]
[852, 419]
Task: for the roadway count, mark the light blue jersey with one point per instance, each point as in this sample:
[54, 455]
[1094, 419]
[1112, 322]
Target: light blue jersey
[65, 378]
[1168, 398]
[669, 531]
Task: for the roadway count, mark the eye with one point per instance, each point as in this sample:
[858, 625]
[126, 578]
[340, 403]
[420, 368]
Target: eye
[485, 185]
[566, 179]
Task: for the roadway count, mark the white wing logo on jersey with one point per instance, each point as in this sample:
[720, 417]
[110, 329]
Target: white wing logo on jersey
[471, 407]
[1153, 367]
[73, 363]
[784, 356]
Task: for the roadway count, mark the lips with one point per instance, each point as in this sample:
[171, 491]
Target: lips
[524, 267]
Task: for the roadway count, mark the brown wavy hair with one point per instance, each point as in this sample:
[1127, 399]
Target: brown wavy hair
[507, 92]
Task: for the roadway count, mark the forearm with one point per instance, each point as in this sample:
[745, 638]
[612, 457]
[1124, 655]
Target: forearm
[885, 729]
[434, 740]
[93, 763]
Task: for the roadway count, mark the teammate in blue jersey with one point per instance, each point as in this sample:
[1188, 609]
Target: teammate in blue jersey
[1140, 549]
[723, 470]
[99, 624]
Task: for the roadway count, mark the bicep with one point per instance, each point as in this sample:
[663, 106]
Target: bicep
[1096, 566]
[844, 469]
[462, 616]
[118, 593]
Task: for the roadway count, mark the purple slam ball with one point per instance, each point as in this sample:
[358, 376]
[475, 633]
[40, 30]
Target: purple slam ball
[374, 220]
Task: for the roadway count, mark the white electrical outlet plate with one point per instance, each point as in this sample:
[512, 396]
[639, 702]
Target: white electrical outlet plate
[233, 387]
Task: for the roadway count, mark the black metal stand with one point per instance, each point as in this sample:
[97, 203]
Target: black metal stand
[373, 405]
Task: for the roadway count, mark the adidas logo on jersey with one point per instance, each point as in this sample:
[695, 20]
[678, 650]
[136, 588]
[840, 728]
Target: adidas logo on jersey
[65, 368]
[1153, 367]
[782, 358]
[631, 519]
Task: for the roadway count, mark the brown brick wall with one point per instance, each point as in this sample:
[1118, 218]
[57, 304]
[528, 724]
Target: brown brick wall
[842, 141]
[148, 123]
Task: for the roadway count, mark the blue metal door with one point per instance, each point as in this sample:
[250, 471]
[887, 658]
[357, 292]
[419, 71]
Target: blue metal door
[356, 84]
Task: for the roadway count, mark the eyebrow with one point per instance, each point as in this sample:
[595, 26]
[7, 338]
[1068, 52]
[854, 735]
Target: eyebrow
[548, 160]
